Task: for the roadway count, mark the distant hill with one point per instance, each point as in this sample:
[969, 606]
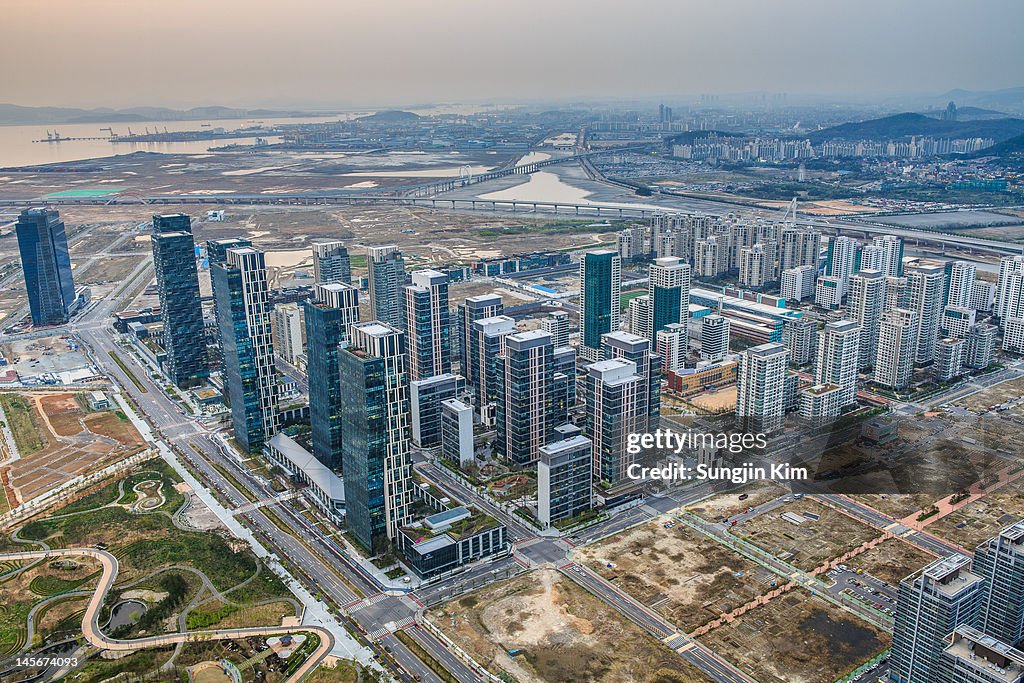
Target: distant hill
[391, 117]
[13, 114]
[905, 125]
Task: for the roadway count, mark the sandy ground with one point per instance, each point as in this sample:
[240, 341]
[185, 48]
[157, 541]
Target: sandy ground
[715, 401]
[983, 518]
[891, 560]
[563, 633]
[687, 577]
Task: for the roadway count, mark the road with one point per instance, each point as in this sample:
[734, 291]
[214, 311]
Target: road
[93, 634]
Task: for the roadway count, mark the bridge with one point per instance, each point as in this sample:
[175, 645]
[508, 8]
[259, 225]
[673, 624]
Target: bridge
[847, 226]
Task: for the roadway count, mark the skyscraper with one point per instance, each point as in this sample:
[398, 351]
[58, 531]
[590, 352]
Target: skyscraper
[527, 410]
[800, 248]
[959, 283]
[1000, 560]
[760, 388]
[755, 266]
[375, 434]
[1005, 292]
[387, 278]
[925, 280]
[800, 336]
[866, 305]
[428, 344]
[331, 263]
[897, 342]
[217, 254]
[932, 603]
[648, 365]
[617, 398]
[669, 289]
[247, 346]
[181, 310]
[600, 282]
[838, 353]
[328, 316]
[46, 264]
[487, 339]
[472, 309]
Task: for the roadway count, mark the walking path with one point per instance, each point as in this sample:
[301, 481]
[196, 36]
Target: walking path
[96, 638]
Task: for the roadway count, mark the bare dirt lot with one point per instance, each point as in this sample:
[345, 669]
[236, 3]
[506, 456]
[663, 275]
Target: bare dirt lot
[890, 560]
[563, 632]
[725, 505]
[72, 441]
[797, 638]
[686, 576]
[983, 518]
[811, 543]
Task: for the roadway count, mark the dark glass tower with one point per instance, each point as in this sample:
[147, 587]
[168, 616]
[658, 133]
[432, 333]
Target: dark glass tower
[328, 316]
[375, 434]
[600, 274]
[247, 347]
[46, 264]
[174, 260]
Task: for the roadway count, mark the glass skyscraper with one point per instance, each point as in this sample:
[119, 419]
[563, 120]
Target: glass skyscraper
[328, 317]
[174, 260]
[375, 434]
[46, 264]
[600, 284]
[250, 379]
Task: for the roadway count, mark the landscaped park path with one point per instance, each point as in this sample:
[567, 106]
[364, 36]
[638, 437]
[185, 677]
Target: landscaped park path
[92, 633]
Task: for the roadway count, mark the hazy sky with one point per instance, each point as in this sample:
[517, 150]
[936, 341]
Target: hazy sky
[343, 52]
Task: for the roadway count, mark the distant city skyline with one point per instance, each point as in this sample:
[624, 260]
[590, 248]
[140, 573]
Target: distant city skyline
[108, 53]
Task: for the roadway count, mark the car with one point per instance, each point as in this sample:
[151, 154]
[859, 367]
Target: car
[744, 496]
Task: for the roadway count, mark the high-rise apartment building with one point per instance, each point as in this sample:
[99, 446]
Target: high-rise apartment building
[487, 343]
[925, 285]
[865, 305]
[798, 283]
[328, 315]
[556, 324]
[800, 336]
[247, 347]
[46, 264]
[331, 263]
[375, 434]
[1000, 560]
[648, 365]
[600, 283]
[527, 410]
[617, 397]
[838, 354]
[564, 484]
[181, 310]
[897, 343]
[387, 278]
[428, 343]
[932, 603]
[840, 260]
[892, 254]
[760, 400]
[472, 309]
[289, 332]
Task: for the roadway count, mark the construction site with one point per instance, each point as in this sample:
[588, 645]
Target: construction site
[543, 627]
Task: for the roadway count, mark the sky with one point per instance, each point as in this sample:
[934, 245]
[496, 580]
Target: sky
[118, 53]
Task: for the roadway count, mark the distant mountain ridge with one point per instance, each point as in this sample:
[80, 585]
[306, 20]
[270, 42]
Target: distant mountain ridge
[908, 124]
[13, 114]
